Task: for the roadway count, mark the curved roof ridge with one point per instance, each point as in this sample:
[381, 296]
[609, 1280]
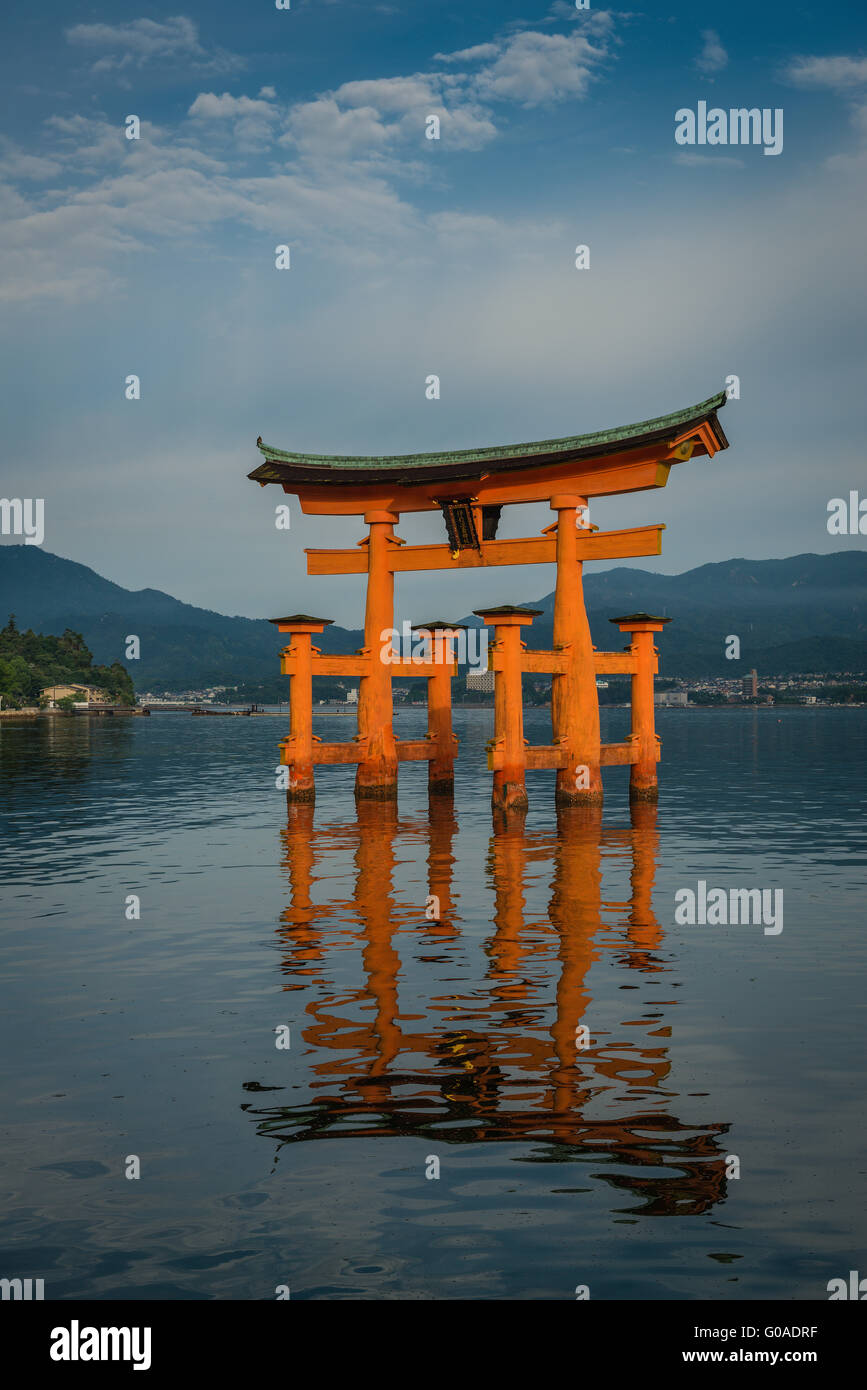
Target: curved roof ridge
[461, 465]
[494, 452]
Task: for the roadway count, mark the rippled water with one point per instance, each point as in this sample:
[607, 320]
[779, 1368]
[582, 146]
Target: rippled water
[414, 1040]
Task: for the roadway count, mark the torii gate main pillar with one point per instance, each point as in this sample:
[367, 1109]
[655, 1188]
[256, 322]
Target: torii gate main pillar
[574, 702]
[376, 778]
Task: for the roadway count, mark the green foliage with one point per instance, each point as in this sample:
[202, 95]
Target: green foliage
[843, 694]
[29, 661]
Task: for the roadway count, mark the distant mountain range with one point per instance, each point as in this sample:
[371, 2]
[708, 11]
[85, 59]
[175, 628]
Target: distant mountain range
[806, 613]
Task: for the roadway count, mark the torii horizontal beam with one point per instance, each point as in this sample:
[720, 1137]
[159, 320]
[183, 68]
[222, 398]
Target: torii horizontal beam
[532, 662]
[531, 550]
[409, 750]
[540, 757]
[604, 480]
[555, 662]
[359, 664]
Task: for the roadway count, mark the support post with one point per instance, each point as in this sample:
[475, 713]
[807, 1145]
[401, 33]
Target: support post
[441, 768]
[377, 912]
[442, 828]
[643, 780]
[575, 914]
[574, 701]
[297, 662]
[376, 778]
[510, 788]
[645, 933]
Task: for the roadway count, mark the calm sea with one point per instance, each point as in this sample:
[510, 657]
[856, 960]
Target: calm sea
[702, 1139]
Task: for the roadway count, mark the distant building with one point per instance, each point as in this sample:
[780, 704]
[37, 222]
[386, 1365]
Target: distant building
[671, 697]
[480, 680]
[750, 686]
[83, 694]
[352, 696]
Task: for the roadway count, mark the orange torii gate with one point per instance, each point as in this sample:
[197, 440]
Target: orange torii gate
[470, 487]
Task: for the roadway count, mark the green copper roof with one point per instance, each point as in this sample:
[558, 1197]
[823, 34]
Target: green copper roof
[438, 625]
[304, 618]
[506, 610]
[640, 618]
[281, 466]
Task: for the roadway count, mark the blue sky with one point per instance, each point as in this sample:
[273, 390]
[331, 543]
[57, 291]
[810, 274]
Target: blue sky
[412, 256]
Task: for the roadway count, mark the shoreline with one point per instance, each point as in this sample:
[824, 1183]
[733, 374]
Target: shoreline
[145, 712]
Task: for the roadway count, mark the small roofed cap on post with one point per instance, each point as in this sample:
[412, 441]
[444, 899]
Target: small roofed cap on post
[508, 614]
[632, 621]
[301, 622]
[438, 625]
[506, 608]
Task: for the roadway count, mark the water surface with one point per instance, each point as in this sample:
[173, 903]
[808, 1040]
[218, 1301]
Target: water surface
[415, 1041]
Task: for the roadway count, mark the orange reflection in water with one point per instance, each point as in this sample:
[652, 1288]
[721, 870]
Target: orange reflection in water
[480, 1040]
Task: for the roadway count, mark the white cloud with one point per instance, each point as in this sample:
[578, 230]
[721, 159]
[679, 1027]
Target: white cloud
[363, 118]
[336, 198]
[469, 55]
[16, 163]
[210, 106]
[394, 95]
[563, 9]
[466, 126]
[12, 203]
[250, 120]
[72, 244]
[61, 253]
[713, 57]
[143, 41]
[84, 144]
[838, 73]
[537, 68]
[320, 129]
[841, 74]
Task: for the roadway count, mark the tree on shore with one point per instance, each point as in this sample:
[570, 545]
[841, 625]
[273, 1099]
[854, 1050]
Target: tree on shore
[30, 661]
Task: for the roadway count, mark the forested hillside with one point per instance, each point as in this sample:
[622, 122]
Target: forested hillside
[29, 661]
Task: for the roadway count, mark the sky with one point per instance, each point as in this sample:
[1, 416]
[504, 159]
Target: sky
[412, 257]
